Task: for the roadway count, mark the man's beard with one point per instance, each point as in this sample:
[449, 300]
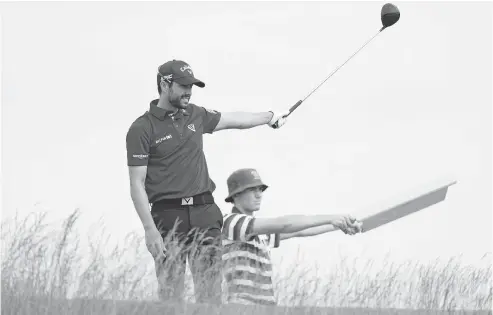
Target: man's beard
[180, 102]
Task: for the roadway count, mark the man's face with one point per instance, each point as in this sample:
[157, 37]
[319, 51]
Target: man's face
[179, 95]
[250, 199]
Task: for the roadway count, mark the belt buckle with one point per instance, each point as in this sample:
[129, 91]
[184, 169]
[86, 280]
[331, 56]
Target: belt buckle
[187, 201]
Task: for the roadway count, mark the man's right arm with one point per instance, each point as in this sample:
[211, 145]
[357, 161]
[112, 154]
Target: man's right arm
[139, 195]
[138, 148]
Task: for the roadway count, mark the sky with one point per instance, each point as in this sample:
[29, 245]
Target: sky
[412, 106]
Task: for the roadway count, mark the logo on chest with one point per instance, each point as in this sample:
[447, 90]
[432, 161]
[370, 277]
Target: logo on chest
[191, 127]
[163, 139]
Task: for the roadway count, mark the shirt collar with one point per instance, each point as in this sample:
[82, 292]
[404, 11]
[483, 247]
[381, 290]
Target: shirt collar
[162, 113]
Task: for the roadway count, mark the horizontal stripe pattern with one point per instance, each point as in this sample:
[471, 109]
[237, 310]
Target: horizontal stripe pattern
[253, 284]
[246, 254]
[251, 299]
[247, 276]
[242, 261]
[249, 269]
[240, 288]
[259, 249]
[246, 261]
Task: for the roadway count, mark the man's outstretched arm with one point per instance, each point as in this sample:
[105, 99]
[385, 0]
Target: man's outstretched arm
[246, 120]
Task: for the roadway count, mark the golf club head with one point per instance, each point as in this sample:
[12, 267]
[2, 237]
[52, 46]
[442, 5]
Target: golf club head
[390, 15]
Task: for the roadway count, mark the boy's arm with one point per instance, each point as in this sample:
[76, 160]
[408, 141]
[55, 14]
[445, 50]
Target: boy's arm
[297, 223]
[241, 227]
[310, 232]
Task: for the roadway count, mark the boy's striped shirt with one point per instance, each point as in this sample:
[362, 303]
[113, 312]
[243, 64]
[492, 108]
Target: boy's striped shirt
[247, 261]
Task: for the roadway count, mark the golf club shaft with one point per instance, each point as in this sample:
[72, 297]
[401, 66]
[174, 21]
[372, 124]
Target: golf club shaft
[333, 72]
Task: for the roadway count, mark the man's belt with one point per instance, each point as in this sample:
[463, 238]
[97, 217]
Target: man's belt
[201, 199]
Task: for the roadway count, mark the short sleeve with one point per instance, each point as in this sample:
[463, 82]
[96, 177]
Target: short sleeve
[210, 118]
[238, 227]
[274, 240]
[138, 144]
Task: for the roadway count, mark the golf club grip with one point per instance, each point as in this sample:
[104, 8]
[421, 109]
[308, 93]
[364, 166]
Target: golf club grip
[295, 106]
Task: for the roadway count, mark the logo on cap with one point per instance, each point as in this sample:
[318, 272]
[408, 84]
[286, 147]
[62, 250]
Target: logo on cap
[168, 77]
[188, 68]
[255, 174]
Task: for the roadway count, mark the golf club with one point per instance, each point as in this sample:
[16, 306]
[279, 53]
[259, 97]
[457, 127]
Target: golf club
[389, 15]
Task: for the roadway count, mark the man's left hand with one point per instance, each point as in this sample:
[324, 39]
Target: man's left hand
[278, 119]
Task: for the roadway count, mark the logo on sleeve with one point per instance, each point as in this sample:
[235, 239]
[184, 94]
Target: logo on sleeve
[140, 156]
[211, 111]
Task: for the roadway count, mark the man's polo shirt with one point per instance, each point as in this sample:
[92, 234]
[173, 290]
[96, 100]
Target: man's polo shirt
[171, 145]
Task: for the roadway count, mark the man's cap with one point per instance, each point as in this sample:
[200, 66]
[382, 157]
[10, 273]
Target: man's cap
[243, 179]
[180, 72]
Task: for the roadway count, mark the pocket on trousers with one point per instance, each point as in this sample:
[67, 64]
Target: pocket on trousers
[206, 217]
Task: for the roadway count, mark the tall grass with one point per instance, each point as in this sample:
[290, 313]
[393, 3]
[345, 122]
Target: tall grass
[43, 265]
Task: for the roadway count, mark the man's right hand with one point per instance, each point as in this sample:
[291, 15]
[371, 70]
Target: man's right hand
[154, 242]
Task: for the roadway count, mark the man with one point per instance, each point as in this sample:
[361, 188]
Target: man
[247, 239]
[170, 185]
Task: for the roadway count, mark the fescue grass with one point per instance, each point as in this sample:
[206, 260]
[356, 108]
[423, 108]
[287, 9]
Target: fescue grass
[46, 270]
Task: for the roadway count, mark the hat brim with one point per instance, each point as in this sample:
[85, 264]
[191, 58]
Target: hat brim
[243, 188]
[189, 80]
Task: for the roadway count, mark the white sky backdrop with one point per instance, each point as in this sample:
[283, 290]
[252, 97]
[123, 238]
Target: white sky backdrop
[414, 105]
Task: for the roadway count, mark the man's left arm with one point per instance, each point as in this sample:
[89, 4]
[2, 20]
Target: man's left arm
[215, 121]
[246, 120]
